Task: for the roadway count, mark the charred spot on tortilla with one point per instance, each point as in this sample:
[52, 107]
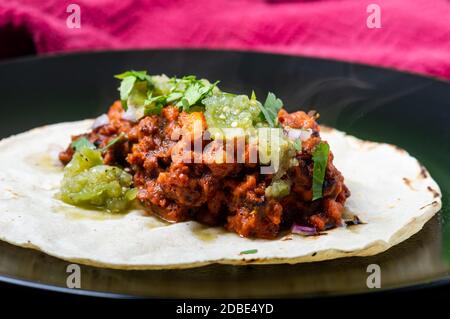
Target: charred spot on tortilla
[435, 193]
[13, 194]
[433, 203]
[408, 183]
[423, 172]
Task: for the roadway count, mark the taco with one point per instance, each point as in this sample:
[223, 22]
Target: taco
[179, 173]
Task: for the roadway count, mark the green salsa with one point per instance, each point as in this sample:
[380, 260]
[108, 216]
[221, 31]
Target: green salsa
[283, 151]
[88, 182]
[226, 110]
[231, 111]
[278, 189]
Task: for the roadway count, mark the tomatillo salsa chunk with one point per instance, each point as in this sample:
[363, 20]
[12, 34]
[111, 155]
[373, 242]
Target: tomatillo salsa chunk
[231, 111]
[88, 182]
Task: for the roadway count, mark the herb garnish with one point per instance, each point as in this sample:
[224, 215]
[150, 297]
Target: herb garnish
[138, 88]
[140, 75]
[126, 86]
[320, 159]
[196, 91]
[298, 145]
[248, 252]
[82, 142]
[270, 109]
[154, 104]
[120, 137]
[129, 79]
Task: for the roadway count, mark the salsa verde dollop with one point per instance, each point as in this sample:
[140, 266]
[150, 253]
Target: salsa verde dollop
[87, 182]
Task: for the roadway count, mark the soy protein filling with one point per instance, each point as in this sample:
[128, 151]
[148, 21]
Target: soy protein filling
[234, 195]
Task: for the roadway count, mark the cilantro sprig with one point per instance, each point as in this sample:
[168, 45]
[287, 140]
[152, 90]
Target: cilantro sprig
[270, 109]
[320, 160]
[141, 90]
[82, 142]
[140, 75]
[150, 95]
[195, 92]
[115, 140]
[154, 104]
[128, 83]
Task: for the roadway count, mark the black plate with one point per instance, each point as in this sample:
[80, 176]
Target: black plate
[372, 103]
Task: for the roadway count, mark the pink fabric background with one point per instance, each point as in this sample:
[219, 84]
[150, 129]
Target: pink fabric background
[415, 34]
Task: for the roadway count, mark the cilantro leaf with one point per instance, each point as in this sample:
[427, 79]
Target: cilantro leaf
[196, 91]
[193, 94]
[320, 159]
[298, 145]
[185, 104]
[270, 109]
[140, 75]
[248, 252]
[82, 142]
[154, 104]
[126, 86]
[174, 96]
[137, 89]
[129, 80]
[120, 137]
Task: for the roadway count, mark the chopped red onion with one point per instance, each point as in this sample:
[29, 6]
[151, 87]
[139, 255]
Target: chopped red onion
[304, 230]
[130, 115]
[306, 134]
[295, 134]
[100, 121]
[133, 114]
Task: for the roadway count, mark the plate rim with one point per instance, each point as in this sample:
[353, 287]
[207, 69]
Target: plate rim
[428, 284]
[64, 54]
